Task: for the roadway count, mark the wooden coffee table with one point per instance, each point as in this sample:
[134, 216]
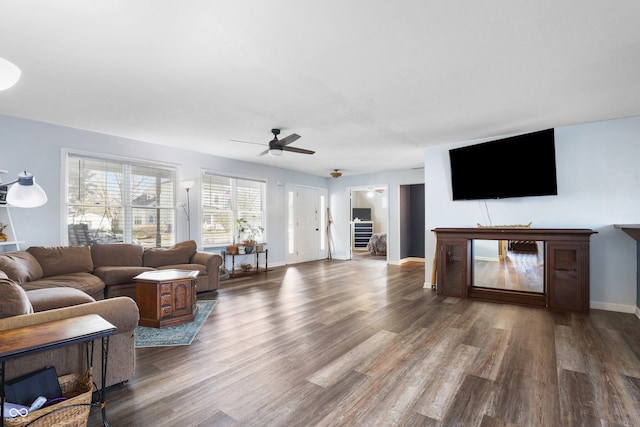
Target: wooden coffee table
[166, 297]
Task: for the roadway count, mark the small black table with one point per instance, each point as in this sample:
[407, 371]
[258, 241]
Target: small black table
[26, 340]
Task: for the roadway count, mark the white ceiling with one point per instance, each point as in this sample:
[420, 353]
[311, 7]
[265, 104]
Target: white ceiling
[366, 83]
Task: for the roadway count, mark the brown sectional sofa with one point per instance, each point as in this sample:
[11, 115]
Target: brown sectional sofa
[105, 270]
[49, 283]
[122, 312]
[117, 264]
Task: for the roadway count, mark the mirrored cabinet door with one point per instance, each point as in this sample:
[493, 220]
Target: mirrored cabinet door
[453, 276]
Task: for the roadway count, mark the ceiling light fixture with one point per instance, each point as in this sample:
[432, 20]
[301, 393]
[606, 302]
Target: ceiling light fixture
[336, 173]
[370, 193]
[9, 74]
[275, 152]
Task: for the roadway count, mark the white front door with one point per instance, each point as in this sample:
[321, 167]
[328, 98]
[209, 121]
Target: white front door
[306, 224]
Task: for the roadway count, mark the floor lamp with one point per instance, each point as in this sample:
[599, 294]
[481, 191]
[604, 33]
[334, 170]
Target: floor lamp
[187, 186]
[26, 194]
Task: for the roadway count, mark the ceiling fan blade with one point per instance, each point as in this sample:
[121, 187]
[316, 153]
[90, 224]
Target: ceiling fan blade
[288, 140]
[298, 150]
[265, 152]
[247, 142]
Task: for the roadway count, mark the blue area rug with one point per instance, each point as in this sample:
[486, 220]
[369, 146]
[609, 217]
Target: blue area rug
[174, 335]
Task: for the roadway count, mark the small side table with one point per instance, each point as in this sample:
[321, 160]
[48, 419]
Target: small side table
[58, 333]
[166, 297]
[255, 254]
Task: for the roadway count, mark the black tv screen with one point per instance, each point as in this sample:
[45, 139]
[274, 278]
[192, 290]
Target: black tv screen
[363, 214]
[519, 166]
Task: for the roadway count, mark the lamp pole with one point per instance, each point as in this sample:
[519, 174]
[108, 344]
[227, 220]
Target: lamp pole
[188, 215]
[187, 186]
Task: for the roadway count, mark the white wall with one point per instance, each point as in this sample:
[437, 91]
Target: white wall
[486, 250]
[37, 147]
[598, 186]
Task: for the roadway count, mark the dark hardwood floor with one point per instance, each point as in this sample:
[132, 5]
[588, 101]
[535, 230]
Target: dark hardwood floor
[362, 343]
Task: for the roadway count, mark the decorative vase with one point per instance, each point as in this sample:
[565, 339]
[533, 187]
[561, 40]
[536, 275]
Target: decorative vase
[233, 249]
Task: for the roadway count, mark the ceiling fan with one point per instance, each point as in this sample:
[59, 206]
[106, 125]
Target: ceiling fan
[371, 191]
[277, 146]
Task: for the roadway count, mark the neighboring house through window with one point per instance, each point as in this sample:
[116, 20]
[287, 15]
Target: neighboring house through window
[119, 201]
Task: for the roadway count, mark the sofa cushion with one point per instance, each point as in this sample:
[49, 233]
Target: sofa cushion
[51, 298]
[13, 299]
[180, 253]
[56, 260]
[20, 266]
[116, 254]
[86, 282]
[119, 275]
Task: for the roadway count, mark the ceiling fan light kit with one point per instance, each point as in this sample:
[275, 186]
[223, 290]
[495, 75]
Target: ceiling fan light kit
[275, 152]
[336, 173]
[9, 74]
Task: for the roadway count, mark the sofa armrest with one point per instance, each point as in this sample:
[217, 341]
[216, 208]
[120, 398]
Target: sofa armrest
[122, 312]
[212, 263]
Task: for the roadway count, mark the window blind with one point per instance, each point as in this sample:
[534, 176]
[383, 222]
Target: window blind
[226, 199]
[114, 201]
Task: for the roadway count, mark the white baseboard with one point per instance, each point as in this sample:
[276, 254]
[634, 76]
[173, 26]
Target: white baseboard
[486, 258]
[429, 285]
[411, 259]
[620, 308]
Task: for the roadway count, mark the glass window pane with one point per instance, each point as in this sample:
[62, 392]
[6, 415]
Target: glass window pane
[116, 201]
[226, 199]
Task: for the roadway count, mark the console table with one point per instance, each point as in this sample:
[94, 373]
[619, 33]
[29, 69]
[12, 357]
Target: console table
[566, 266]
[58, 333]
[255, 254]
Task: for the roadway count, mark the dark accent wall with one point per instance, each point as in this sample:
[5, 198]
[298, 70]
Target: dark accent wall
[638, 275]
[412, 221]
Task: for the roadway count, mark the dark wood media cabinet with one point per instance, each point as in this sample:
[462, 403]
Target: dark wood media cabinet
[566, 266]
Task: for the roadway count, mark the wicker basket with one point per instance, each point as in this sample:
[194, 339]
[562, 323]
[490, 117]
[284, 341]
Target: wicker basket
[73, 412]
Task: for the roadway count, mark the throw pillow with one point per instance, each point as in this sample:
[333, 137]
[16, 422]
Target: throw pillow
[13, 299]
[180, 253]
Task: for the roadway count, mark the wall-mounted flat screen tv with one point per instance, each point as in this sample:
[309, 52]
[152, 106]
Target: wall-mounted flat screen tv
[519, 166]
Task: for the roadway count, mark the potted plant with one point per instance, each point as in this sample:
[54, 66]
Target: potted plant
[248, 233]
[3, 237]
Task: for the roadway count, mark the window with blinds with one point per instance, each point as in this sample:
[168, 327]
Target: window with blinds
[226, 199]
[112, 201]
